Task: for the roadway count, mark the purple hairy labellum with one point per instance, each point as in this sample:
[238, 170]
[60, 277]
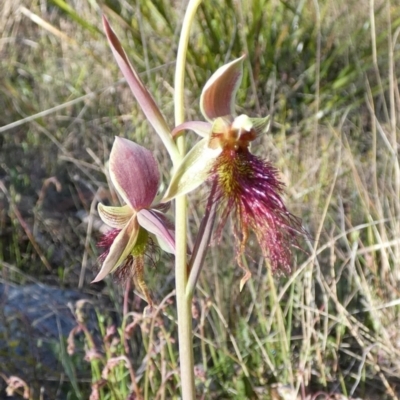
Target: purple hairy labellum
[249, 190]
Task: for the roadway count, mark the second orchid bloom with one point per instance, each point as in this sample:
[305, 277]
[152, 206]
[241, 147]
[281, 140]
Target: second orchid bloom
[134, 174]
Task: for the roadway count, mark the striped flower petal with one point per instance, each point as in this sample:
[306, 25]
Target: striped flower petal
[260, 125]
[157, 223]
[115, 217]
[134, 173]
[139, 90]
[219, 93]
[202, 128]
[120, 249]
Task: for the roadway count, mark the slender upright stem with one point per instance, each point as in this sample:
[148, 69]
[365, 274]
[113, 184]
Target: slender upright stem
[184, 303]
[180, 67]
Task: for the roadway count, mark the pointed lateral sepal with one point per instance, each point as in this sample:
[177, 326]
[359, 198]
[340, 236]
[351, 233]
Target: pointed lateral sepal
[142, 95]
[193, 170]
[219, 93]
[122, 246]
[134, 173]
[202, 128]
[158, 224]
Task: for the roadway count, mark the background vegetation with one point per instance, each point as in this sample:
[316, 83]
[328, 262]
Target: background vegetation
[327, 71]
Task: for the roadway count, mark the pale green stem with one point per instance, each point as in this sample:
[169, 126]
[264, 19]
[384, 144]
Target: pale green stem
[184, 302]
[180, 67]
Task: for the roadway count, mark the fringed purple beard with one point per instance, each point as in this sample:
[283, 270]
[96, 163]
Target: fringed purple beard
[249, 188]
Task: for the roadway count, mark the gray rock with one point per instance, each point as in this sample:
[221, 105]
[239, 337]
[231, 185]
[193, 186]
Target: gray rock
[34, 319]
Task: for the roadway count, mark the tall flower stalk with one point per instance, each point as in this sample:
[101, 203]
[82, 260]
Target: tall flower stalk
[242, 185]
[183, 299]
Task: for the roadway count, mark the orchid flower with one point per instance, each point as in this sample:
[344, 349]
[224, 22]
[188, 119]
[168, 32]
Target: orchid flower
[134, 174]
[242, 184]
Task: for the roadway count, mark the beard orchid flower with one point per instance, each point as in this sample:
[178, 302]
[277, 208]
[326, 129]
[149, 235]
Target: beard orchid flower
[243, 185]
[135, 176]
